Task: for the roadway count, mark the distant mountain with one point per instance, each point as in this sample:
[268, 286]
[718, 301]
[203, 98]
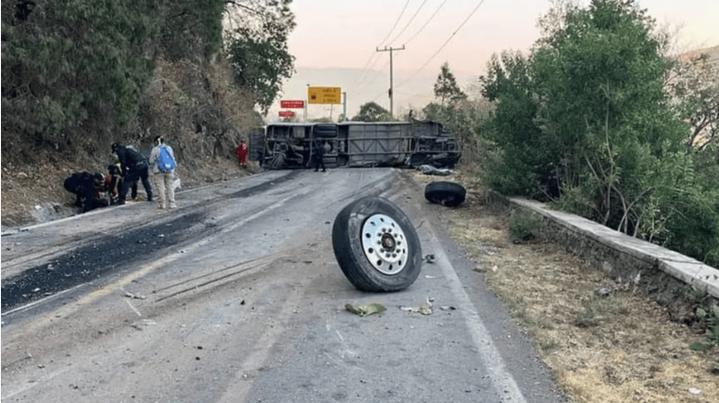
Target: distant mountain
[361, 87]
[713, 53]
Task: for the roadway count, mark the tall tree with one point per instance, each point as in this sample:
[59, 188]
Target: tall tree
[68, 63]
[446, 88]
[603, 106]
[256, 44]
[74, 71]
[372, 112]
[589, 114]
[526, 167]
[190, 27]
[694, 88]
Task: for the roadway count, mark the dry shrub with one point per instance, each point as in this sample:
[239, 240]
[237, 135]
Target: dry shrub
[198, 110]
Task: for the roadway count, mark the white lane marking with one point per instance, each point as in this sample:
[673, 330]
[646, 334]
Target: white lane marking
[34, 384]
[30, 305]
[133, 308]
[501, 379]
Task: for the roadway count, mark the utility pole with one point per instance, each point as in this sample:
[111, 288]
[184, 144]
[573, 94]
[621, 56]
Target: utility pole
[344, 106]
[391, 95]
[307, 101]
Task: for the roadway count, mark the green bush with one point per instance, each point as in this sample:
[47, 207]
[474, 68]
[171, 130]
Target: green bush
[710, 318]
[525, 225]
[74, 71]
[584, 122]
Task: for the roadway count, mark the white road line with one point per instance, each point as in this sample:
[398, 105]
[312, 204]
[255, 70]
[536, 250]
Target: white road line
[133, 308]
[34, 384]
[30, 305]
[501, 379]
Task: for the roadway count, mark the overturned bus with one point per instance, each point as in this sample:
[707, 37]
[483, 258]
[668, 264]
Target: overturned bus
[355, 144]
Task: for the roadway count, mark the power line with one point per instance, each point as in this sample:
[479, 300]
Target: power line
[379, 73]
[409, 22]
[426, 23]
[374, 54]
[364, 69]
[395, 23]
[443, 45]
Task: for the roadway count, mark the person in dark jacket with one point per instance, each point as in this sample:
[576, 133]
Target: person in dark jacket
[134, 167]
[318, 155]
[86, 187]
[115, 183]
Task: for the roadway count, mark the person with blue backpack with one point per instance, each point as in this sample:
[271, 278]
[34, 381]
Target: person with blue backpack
[162, 162]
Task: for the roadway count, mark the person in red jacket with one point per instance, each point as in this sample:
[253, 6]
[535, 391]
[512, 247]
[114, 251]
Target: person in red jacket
[242, 153]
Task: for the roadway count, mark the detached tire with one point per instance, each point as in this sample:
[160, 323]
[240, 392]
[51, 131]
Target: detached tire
[448, 194]
[376, 245]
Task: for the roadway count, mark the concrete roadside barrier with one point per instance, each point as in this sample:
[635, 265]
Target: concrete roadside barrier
[632, 262]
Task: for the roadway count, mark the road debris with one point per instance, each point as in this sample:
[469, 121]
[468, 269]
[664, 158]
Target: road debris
[134, 296]
[430, 170]
[429, 259]
[366, 310]
[142, 324]
[422, 309]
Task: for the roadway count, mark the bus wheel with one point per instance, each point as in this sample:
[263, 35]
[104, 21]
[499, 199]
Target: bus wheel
[376, 245]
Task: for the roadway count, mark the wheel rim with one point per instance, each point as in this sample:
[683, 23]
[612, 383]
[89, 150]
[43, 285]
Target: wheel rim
[384, 244]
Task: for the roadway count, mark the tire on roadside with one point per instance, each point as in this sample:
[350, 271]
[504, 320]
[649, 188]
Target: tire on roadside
[449, 194]
[376, 245]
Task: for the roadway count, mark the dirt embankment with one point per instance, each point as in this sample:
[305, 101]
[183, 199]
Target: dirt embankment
[192, 106]
[34, 194]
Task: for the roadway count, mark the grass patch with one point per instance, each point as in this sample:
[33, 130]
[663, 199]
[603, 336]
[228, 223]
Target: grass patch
[525, 225]
[595, 309]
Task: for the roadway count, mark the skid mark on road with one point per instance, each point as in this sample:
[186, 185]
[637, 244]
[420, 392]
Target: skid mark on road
[143, 271]
[241, 268]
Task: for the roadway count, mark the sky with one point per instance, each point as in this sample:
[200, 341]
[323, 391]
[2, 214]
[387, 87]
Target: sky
[335, 43]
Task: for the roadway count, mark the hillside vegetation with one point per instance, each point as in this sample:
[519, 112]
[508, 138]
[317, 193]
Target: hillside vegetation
[79, 75]
[601, 121]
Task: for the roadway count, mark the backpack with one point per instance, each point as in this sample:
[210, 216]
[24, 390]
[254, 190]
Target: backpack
[165, 163]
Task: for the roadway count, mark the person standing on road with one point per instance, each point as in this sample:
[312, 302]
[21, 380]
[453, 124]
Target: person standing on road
[162, 160]
[134, 167]
[115, 183]
[242, 153]
[318, 155]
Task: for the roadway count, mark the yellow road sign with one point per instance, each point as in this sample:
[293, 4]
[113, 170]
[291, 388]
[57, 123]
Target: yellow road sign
[324, 95]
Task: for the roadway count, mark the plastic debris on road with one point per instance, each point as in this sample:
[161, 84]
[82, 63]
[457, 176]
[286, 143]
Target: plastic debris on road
[366, 310]
[430, 170]
[422, 309]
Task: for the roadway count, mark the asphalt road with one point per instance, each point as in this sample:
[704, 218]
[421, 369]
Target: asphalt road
[237, 297]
